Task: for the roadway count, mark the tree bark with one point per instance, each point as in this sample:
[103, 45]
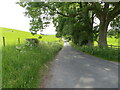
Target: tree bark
[102, 41]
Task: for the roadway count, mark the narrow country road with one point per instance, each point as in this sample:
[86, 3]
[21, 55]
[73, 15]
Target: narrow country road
[75, 69]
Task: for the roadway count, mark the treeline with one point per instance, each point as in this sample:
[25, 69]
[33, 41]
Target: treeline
[75, 20]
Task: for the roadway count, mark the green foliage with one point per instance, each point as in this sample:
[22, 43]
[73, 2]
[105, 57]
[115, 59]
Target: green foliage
[71, 18]
[102, 52]
[114, 33]
[75, 27]
[68, 37]
[115, 24]
[32, 42]
[39, 14]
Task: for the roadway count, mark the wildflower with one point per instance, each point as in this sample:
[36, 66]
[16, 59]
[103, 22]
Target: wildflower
[18, 48]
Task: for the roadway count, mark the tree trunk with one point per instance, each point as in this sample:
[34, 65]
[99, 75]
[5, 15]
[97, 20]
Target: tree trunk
[91, 42]
[102, 41]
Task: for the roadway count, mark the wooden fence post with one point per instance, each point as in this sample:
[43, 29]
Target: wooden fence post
[4, 41]
[111, 46]
[19, 40]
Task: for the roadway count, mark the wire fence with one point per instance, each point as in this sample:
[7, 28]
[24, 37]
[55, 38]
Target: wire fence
[19, 41]
[4, 41]
[113, 46]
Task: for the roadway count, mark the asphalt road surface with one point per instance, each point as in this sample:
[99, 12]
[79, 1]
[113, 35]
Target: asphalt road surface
[75, 69]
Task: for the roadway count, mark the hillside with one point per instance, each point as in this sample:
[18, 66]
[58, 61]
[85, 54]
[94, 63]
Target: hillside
[12, 35]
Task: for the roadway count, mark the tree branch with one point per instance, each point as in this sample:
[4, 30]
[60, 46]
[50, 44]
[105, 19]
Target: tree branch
[71, 15]
[62, 14]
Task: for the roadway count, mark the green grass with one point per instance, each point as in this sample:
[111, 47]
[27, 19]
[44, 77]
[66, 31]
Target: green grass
[110, 41]
[12, 35]
[113, 41]
[24, 66]
[106, 53]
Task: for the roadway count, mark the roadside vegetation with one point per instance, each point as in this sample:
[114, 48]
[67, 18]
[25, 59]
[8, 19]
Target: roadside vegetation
[106, 53]
[23, 65]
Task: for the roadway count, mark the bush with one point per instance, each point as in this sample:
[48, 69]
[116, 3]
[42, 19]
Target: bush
[32, 42]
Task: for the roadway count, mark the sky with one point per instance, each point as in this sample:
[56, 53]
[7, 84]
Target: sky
[12, 16]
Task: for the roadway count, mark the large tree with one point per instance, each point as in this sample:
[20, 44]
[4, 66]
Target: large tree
[105, 12]
[74, 18]
[70, 18]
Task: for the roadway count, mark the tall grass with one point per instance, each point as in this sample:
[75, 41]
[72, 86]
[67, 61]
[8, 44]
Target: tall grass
[23, 66]
[102, 52]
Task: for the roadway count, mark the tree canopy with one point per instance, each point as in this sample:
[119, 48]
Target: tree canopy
[74, 19]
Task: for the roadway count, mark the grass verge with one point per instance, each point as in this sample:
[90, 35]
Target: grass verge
[23, 66]
[106, 53]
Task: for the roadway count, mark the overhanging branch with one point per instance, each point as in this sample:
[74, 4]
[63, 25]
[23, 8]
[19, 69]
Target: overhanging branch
[70, 15]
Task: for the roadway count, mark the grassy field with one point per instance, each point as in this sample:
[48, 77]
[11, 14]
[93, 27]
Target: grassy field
[110, 41]
[23, 66]
[12, 35]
